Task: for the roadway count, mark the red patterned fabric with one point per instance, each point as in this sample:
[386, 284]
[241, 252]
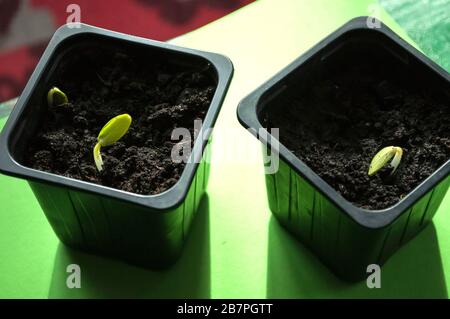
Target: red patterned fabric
[27, 25]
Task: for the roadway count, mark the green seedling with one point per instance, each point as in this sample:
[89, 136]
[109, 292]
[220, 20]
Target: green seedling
[56, 97]
[110, 134]
[383, 157]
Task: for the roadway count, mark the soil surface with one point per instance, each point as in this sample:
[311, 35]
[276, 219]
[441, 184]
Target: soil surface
[338, 124]
[102, 85]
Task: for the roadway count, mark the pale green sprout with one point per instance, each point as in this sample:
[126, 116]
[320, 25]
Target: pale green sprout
[56, 97]
[110, 134]
[383, 157]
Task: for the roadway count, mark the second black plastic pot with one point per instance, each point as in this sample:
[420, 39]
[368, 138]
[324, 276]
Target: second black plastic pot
[143, 230]
[345, 237]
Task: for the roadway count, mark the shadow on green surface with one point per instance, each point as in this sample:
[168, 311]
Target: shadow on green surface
[415, 271]
[106, 278]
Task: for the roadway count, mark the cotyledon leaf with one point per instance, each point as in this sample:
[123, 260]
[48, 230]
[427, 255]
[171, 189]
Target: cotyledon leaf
[56, 97]
[113, 131]
[383, 157]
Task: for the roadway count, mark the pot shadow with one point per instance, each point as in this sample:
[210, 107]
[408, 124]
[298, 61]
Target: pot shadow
[101, 277]
[414, 271]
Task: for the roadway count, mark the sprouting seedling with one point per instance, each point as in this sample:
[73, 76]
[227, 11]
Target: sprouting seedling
[56, 97]
[110, 134]
[383, 156]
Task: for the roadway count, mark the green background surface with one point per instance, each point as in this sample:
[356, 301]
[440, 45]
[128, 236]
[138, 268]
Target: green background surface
[236, 249]
[427, 23]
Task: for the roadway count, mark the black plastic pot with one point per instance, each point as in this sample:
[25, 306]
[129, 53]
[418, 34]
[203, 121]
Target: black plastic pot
[345, 237]
[143, 230]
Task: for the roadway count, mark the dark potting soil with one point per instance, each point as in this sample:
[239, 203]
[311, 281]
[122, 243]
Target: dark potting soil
[158, 97]
[346, 116]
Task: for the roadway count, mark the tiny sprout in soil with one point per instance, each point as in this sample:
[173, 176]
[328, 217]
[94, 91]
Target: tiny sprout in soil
[110, 134]
[56, 97]
[384, 156]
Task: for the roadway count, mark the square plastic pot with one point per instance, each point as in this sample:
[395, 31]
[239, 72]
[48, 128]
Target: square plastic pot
[345, 237]
[144, 230]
